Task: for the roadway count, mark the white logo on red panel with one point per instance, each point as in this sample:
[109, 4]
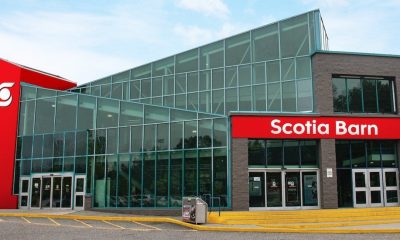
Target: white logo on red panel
[5, 94]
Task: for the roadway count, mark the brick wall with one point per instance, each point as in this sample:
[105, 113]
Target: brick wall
[324, 65]
[240, 175]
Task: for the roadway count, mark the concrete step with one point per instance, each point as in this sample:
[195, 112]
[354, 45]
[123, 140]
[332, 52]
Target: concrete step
[305, 216]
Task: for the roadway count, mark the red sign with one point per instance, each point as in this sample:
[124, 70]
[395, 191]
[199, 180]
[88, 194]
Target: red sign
[299, 127]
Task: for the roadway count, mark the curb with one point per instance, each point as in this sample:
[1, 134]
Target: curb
[280, 229]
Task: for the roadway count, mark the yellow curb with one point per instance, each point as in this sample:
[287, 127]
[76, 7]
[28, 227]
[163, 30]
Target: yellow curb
[328, 225]
[201, 227]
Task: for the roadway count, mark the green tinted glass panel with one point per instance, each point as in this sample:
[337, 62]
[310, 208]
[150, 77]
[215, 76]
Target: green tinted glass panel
[187, 61]
[212, 55]
[237, 49]
[294, 37]
[265, 43]
[164, 67]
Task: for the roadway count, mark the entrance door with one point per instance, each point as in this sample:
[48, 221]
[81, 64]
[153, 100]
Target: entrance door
[48, 191]
[391, 187]
[292, 193]
[80, 192]
[24, 192]
[36, 192]
[274, 189]
[367, 188]
[256, 189]
[56, 192]
[66, 196]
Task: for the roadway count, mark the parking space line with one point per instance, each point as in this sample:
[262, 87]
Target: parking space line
[26, 220]
[115, 225]
[54, 221]
[83, 223]
[148, 226]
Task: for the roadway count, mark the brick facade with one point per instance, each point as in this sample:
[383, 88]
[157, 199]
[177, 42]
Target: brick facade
[324, 66]
[240, 175]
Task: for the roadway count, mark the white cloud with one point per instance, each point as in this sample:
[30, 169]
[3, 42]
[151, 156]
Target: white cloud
[360, 25]
[327, 3]
[193, 35]
[83, 46]
[216, 8]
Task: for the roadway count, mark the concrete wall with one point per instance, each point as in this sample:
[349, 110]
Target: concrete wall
[324, 66]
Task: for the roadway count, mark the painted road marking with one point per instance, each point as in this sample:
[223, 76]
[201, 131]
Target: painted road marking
[26, 220]
[83, 223]
[148, 226]
[115, 225]
[54, 221]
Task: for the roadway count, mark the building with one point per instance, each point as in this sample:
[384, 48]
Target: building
[266, 119]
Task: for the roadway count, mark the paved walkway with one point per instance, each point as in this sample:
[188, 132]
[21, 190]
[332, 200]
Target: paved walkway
[363, 221]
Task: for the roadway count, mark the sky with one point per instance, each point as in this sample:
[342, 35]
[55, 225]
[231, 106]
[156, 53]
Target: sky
[90, 39]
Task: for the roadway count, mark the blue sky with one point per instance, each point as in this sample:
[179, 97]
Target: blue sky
[87, 40]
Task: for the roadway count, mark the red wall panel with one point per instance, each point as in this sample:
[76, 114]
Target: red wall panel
[11, 75]
[8, 133]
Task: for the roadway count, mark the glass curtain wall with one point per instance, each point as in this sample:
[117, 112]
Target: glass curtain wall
[267, 69]
[134, 155]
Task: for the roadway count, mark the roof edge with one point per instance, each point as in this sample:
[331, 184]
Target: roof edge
[355, 53]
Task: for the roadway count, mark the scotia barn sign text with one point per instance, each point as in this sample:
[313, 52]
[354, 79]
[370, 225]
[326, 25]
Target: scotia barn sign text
[298, 127]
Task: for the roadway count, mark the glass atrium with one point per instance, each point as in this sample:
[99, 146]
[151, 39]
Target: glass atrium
[148, 136]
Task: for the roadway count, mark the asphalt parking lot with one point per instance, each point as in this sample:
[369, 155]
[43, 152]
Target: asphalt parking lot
[48, 228]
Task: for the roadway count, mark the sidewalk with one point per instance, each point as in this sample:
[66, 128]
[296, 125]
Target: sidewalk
[377, 220]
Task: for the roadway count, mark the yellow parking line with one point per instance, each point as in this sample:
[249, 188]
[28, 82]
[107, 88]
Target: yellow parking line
[148, 226]
[54, 222]
[83, 223]
[115, 225]
[26, 220]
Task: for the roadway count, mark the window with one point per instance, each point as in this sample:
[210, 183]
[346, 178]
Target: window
[363, 94]
[362, 154]
[275, 153]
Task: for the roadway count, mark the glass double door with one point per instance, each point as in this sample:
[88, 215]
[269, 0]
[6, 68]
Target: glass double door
[283, 189]
[51, 192]
[375, 187]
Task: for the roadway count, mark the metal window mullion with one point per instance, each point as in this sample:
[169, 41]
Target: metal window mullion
[237, 89]
[130, 165]
[362, 94]
[169, 180]
[347, 96]
[280, 65]
[197, 171]
[129, 85]
[392, 86]
[183, 154]
[309, 32]
[142, 178]
[156, 164]
[252, 102]
[295, 83]
[212, 160]
[377, 97]
[228, 163]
